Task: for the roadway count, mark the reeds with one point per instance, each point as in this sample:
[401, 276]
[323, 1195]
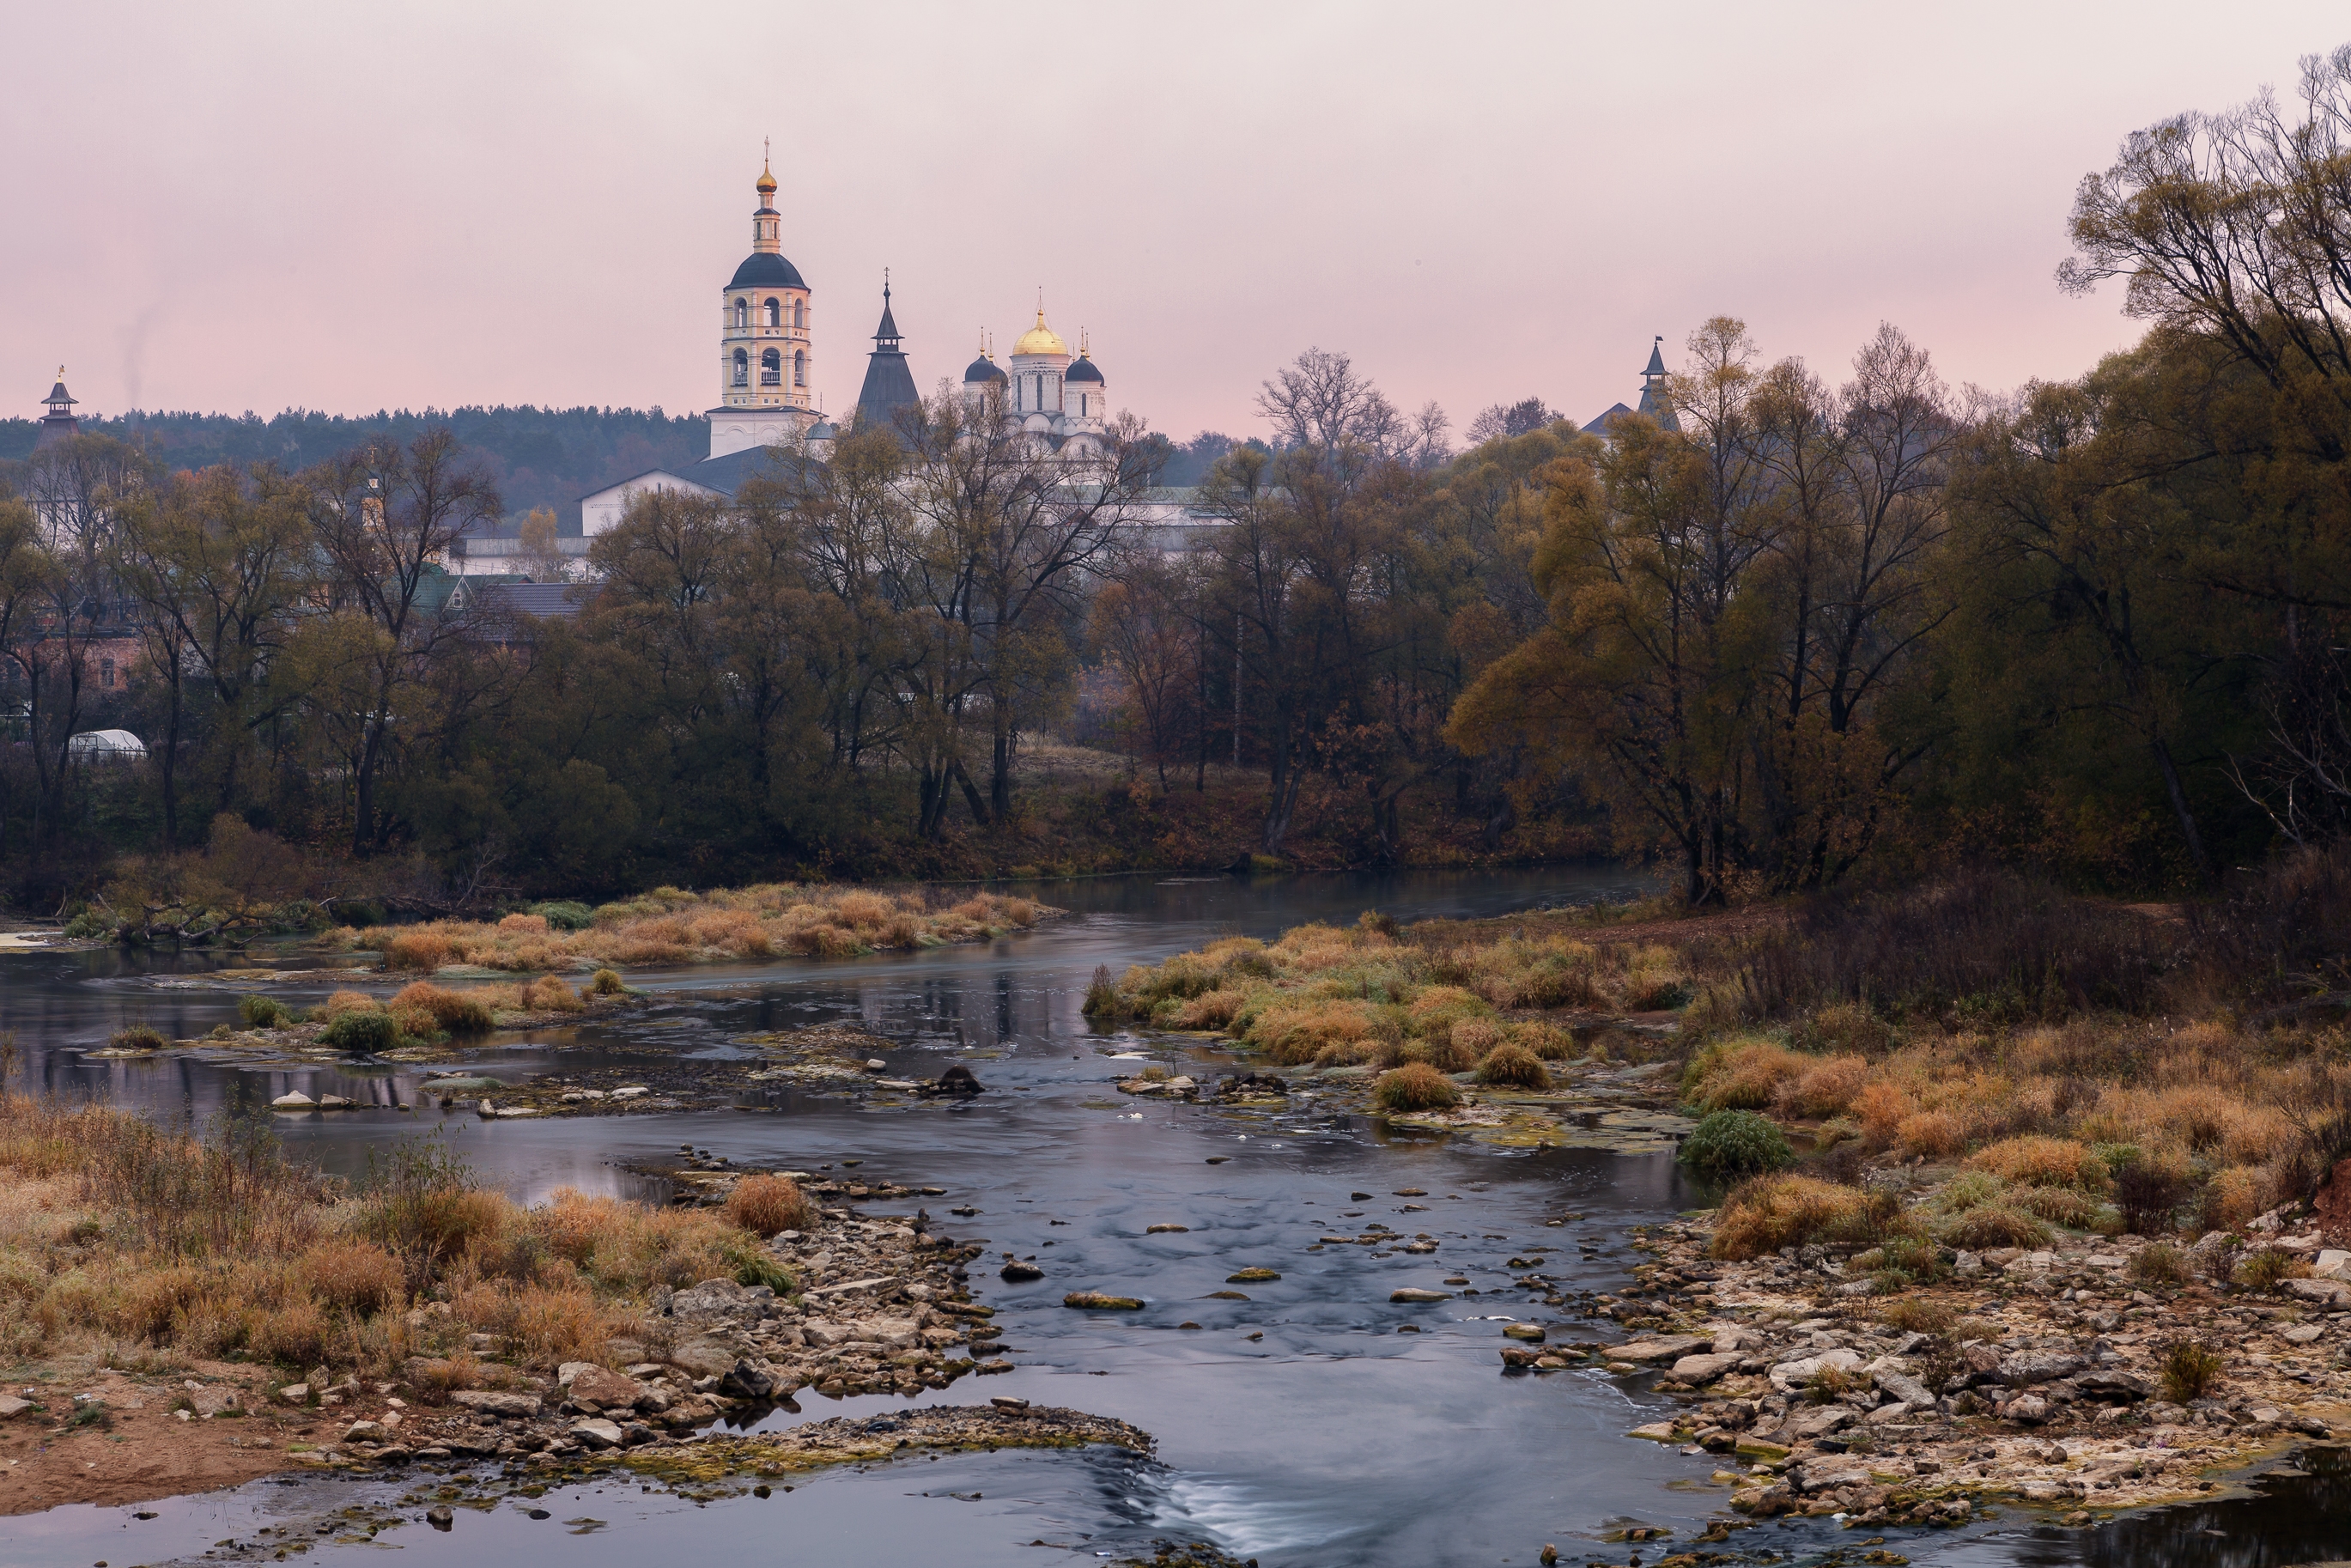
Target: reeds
[116, 1232]
[668, 927]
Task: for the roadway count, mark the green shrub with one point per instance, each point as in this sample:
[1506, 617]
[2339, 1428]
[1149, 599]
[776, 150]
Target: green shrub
[2268, 1268]
[2189, 1371]
[2061, 1206]
[1729, 1144]
[138, 1037]
[565, 915]
[1514, 1066]
[1414, 1086]
[91, 921]
[264, 1013]
[607, 983]
[2161, 1264]
[361, 1032]
[1969, 1189]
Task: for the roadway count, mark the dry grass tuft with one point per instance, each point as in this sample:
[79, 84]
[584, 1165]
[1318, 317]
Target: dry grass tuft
[1775, 1211]
[668, 927]
[764, 1205]
[1511, 1066]
[1414, 1086]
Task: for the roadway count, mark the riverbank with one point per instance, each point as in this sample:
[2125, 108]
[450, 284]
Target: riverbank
[188, 1314]
[2031, 1196]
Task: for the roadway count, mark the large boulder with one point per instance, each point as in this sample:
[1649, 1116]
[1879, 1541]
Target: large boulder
[1665, 1347]
[488, 1402]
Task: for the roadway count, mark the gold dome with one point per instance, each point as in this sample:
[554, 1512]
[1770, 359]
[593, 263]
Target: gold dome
[766, 186]
[1041, 340]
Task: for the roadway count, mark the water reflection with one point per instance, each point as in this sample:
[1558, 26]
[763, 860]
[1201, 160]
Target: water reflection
[1332, 1438]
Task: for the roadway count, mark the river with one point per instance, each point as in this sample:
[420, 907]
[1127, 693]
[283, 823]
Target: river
[1299, 1427]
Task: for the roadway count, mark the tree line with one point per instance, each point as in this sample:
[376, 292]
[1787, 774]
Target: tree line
[1812, 624]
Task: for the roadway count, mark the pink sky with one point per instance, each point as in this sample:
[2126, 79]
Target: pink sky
[255, 207]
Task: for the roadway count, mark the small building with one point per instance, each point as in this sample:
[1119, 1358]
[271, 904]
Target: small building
[1654, 401]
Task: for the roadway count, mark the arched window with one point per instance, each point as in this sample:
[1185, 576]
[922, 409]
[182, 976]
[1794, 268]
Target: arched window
[1082, 405]
[799, 312]
[800, 368]
[775, 313]
[742, 369]
[771, 369]
[742, 313]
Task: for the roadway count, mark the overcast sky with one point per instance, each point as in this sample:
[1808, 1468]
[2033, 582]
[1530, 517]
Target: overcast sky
[341, 207]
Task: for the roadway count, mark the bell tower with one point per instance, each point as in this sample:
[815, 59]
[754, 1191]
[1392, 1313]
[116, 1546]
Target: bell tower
[767, 370]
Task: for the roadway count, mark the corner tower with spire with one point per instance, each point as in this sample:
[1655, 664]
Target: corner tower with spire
[58, 423]
[766, 364]
[889, 389]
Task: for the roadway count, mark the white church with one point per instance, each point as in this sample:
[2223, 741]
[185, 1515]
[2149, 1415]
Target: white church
[766, 360]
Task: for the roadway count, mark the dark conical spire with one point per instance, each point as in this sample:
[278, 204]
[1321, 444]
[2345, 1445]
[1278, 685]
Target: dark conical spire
[60, 422]
[889, 387]
[1654, 401]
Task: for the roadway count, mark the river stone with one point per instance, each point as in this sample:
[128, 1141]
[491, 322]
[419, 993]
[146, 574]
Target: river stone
[1907, 1389]
[2332, 1263]
[2302, 1334]
[1165, 1230]
[2027, 1409]
[488, 1402]
[719, 1299]
[1533, 1333]
[11, 1406]
[1821, 1421]
[1791, 1376]
[750, 1380]
[365, 1432]
[2114, 1382]
[1252, 1277]
[1656, 1432]
[2330, 1292]
[597, 1389]
[1667, 1347]
[1096, 1300]
[597, 1434]
[1704, 1369]
[1411, 1293]
[210, 1399]
[1017, 1272]
[298, 1100]
[2030, 1366]
[295, 1393]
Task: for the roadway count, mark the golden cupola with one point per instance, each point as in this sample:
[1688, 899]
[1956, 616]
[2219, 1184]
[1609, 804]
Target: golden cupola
[1042, 339]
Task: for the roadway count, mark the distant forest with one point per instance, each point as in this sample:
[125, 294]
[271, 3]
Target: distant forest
[536, 456]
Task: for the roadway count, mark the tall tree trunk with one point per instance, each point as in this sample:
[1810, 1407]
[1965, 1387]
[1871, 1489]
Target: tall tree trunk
[2187, 829]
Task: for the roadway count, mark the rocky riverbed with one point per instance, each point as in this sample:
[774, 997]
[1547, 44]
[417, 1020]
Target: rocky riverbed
[2043, 1384]
[877, 1303]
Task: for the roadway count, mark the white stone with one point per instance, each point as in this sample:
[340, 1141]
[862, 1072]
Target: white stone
[298, 1100]
[2333, 1264]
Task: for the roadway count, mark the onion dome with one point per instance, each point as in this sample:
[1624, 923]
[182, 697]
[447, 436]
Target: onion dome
[824, 430]
[983, 370]
[1083, 370]
[1041, 339]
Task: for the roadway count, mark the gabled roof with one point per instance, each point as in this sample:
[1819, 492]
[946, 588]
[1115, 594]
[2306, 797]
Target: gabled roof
[1606, 419]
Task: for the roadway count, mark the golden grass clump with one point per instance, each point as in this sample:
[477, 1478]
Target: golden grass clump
[2034, 1160]
[2233, 1197]
[607, 983]
[1511, 1066]
[353, 1275]
[458, 1012]
[1931, 1134]
[1774, 1211]
[767, 1205]
[1299, 1028]
[1414, 1086]
[1744, 1075]
[670, 926]
[1824, 1088]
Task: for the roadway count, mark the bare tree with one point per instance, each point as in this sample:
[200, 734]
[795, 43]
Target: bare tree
[385, 517]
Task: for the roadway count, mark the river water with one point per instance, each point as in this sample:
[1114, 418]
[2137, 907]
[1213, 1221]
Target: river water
[1300, 1428]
